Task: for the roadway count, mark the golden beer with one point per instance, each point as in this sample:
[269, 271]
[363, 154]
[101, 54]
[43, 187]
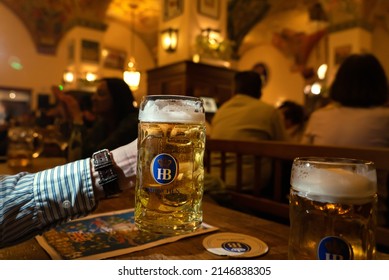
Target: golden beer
[170, 175]
[332, 209]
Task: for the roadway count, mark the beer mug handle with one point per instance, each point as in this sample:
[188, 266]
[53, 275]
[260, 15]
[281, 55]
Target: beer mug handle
[38, 144]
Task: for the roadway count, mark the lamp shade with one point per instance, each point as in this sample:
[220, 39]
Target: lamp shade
[132, 78]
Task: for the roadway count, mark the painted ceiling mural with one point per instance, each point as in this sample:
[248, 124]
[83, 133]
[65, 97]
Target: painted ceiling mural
[249, 22]
[48, 20]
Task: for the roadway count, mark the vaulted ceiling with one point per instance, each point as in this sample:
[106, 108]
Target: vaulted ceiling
[250, 22]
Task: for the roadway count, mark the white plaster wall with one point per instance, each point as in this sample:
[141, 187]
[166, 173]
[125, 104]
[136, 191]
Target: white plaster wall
[39, 71]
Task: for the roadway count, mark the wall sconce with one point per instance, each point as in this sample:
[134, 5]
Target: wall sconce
[169, 39]
[213, 37]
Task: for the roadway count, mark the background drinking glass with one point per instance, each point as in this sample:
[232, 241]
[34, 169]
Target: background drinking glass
[332, 209]
[24, 144]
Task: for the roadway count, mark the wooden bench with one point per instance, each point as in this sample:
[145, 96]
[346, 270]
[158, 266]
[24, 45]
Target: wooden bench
[275, 205]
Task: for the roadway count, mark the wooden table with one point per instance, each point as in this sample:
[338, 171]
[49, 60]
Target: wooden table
[227, 220]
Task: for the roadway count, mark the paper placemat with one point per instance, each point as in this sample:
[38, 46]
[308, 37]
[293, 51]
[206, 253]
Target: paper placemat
[103, 236]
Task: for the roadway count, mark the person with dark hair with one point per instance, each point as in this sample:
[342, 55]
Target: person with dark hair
[357, 115]
[294, 120]
[247, 118]
[116, 119]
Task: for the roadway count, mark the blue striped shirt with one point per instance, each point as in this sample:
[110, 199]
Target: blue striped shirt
[32, 203]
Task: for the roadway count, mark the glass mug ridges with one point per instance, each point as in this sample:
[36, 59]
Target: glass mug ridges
[174, 207]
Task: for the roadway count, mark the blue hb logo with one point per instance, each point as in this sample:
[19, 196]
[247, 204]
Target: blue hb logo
[164, 169]
[236, 247]
[334, 248]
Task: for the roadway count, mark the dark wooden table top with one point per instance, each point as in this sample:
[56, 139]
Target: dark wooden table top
[275, 235]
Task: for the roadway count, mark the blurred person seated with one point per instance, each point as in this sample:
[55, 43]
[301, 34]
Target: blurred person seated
[294, 120]
[247, 118]
[116, 120]
[358, 114]
[3, 131]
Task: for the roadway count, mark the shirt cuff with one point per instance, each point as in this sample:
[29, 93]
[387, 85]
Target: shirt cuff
[64, 192]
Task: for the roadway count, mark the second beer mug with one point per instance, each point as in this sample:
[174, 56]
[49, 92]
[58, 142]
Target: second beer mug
[170, 177]
[332, 209]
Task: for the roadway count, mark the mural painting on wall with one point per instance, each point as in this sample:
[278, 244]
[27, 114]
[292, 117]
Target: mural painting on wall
[114, 59]
[208, 8]
[297, 44]
[48, 21]
[172, 8]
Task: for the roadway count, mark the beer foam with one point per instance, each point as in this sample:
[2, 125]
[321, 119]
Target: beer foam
[333, 182]
[171, 111]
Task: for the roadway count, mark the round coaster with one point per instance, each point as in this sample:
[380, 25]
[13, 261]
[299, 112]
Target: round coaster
[235, 245]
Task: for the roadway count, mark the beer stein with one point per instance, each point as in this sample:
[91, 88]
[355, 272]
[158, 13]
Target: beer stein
[24, 144]
[170, 175]
[333, 204]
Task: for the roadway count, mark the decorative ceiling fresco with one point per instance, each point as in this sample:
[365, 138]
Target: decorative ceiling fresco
[48, 20]
[250, 22]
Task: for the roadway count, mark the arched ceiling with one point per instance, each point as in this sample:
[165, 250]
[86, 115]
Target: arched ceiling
[250, 22]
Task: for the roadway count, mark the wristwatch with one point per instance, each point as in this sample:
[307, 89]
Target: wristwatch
[102, 163]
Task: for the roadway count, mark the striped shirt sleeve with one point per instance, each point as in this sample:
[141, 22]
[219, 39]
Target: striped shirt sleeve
[32, 203]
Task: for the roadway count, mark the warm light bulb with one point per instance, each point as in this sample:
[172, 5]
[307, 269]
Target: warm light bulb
[196, 58]
[104, 53]
[322, 71]
[90, 77]
[316, 89]
[68, 77]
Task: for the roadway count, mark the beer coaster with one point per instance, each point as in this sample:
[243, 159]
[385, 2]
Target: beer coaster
[235, 245]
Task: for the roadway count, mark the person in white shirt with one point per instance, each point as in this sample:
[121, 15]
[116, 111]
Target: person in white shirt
[358, 115]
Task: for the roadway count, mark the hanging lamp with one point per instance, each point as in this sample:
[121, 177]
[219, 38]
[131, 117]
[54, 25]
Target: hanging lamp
[131, 76]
